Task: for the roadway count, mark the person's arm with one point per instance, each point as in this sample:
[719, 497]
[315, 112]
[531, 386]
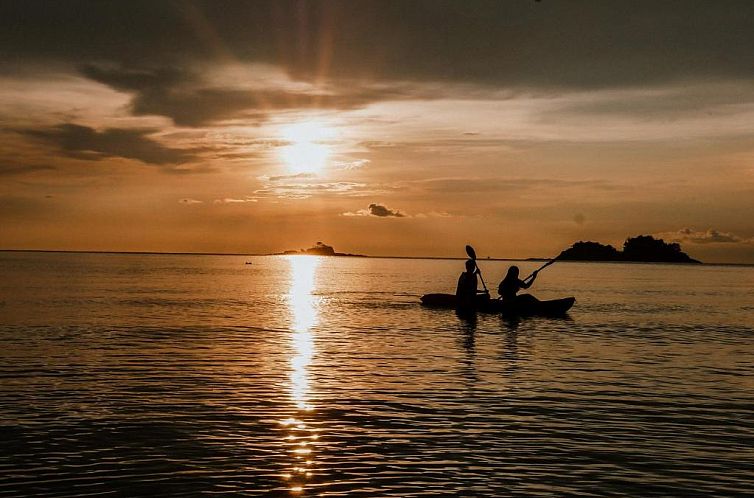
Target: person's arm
[476, 284]
[526, 285]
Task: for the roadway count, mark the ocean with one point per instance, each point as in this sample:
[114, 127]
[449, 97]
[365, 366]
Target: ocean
[190, 375]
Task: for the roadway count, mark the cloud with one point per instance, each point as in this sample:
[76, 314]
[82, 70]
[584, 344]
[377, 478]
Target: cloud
[383, 211]
[306, 190]
[11, 168]
[137, 79]
[174, 93]
[305, 185]
[83, 142]
[190, 201]
[278, 178]
[663, 103]
[360, 212]
[190, 100]
[378, 144]
[377, 210]
[355, 164]
[466, 185]
[551, 44]
[710, 236]
[434, 214]
[230, 200]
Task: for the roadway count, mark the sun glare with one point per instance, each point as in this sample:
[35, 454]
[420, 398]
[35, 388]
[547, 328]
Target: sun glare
[307, 151]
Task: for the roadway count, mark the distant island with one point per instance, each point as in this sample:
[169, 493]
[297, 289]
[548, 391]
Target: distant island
[319, 249]
[643, 248]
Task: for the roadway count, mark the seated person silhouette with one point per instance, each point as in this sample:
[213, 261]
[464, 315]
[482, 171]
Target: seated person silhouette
[467, 295]
[511, 285]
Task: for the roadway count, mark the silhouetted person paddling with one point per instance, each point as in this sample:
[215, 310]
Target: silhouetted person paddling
[467, 295]
[511, 284]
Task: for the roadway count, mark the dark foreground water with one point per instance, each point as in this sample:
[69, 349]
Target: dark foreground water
[136, 375]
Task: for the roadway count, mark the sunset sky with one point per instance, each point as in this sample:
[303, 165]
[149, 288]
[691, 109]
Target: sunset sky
[378, 127]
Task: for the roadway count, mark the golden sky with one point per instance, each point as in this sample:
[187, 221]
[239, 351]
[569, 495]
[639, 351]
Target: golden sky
[378, 127]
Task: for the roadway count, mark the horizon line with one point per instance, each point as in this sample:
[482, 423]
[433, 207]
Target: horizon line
[189, 253]
[186, 253]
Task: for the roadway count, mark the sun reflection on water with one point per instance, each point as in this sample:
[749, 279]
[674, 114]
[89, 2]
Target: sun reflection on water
[303, 307]
[304, 310]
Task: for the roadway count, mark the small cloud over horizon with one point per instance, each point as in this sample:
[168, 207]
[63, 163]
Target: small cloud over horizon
[378, 210]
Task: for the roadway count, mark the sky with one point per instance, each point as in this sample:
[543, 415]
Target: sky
[378, 127]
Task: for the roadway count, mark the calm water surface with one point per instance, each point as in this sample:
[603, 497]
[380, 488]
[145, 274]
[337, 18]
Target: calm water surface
[132, 375]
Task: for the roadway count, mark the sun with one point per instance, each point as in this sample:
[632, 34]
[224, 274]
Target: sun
[307, 151]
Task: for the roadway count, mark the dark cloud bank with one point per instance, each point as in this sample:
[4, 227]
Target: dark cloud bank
[553, 43]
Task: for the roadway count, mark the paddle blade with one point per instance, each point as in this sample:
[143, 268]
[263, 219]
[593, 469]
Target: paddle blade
[471, 252]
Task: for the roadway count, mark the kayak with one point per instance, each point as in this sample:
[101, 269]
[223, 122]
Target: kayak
[535, 307]
[521, 307]
[448, 301]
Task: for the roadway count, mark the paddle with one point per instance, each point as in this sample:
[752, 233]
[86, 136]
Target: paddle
[472, 254]
[541, 268]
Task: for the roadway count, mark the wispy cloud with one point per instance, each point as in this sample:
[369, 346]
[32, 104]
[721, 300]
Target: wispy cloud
[477, 185]
[434, 214]
[277, 178]
[231, 200]
[710, 236]
[355, 164]
[306, 190]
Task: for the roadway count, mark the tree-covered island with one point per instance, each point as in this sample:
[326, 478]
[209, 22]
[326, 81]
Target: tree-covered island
[643, 248]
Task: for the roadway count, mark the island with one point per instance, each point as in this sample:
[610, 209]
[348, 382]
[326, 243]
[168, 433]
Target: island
[319, 249]
[643, 248]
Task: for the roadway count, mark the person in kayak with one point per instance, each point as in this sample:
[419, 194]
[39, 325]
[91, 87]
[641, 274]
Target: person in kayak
[511, 284]
[466, 291]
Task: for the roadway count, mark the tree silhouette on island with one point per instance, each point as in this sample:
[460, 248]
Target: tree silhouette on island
[643, 248]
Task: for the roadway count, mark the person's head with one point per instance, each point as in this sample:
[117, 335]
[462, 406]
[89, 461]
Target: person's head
[512, 272]
[470, 265]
